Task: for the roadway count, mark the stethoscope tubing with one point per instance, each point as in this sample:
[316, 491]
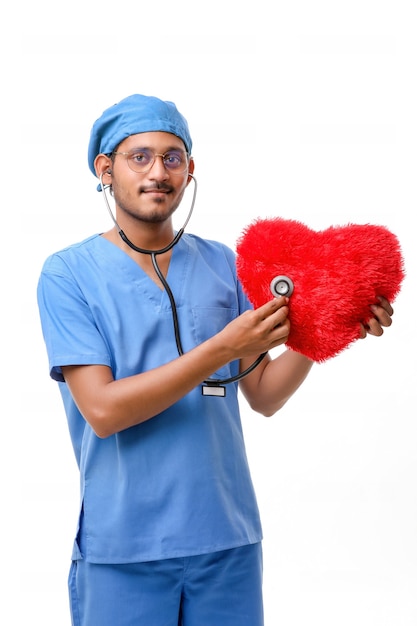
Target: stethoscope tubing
[211, 382]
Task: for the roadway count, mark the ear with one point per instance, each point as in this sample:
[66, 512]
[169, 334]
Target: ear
[103, 165]
[191, 166]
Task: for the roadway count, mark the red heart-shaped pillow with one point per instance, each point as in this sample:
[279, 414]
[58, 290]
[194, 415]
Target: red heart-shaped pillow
[337, 274]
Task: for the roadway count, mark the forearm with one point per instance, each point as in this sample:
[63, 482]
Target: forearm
[113, 405]
[274, 384]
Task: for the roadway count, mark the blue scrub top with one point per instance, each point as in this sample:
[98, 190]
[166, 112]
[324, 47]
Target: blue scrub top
[178, 484]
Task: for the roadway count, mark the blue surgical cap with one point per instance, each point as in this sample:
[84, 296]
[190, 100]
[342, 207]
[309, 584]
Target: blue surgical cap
[132, 115]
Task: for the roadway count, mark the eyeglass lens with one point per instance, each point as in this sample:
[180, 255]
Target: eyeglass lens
[142, 160]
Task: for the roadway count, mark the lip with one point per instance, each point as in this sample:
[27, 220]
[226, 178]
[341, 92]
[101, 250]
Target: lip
[156, 191]
[156, 195]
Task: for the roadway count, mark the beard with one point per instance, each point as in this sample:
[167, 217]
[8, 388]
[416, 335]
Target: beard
[151, 211]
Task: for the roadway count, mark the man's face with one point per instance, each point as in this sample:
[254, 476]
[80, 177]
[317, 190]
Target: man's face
[154, 194]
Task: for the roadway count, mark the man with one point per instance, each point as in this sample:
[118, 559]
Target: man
[140, 323]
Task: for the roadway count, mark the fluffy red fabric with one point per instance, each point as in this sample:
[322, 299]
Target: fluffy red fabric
[337, 274]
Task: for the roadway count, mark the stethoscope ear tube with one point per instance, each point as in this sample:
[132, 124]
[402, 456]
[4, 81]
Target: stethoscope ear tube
[210, 382]
[130, 243]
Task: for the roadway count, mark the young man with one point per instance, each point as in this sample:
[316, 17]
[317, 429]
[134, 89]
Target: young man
[138, 323]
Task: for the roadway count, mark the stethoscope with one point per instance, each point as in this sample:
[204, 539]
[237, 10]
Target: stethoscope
[281, 285]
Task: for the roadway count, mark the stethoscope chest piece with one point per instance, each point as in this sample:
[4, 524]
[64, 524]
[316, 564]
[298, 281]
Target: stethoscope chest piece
[281, 286]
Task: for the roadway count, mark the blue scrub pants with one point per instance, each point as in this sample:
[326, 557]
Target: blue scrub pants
[217, 589]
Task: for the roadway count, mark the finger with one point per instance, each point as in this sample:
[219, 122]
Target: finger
[271, 307]
[273, 316]
[363, 332]
[386, 305]
[279, 318]
[382, 315]
[279, 334]
[374, 327]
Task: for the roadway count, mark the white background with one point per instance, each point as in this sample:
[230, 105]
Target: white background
[324, 94]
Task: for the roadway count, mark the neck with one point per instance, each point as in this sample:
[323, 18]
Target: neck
[143, 242]
[149, 250]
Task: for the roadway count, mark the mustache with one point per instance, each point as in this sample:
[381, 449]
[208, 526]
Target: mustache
[157, 187]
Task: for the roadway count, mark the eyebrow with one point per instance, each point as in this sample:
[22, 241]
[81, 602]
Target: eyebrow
[139, 148]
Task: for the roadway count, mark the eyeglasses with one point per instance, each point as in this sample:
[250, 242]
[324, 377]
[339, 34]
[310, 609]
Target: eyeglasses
[141, 161]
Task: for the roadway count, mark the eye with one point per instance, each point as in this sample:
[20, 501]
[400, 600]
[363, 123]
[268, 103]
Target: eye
[174, 159]
[141, 157]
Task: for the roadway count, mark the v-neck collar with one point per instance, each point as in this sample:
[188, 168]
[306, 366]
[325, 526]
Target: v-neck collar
[130, 270]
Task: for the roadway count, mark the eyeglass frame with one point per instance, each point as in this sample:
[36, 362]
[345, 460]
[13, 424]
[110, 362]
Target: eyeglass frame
[155, 154]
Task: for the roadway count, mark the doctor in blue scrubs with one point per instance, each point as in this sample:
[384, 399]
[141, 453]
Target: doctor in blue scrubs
[138, 322]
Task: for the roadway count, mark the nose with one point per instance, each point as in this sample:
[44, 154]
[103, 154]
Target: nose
[158, 170]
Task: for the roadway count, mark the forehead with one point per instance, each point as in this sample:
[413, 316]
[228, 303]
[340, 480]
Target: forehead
[155, 140]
